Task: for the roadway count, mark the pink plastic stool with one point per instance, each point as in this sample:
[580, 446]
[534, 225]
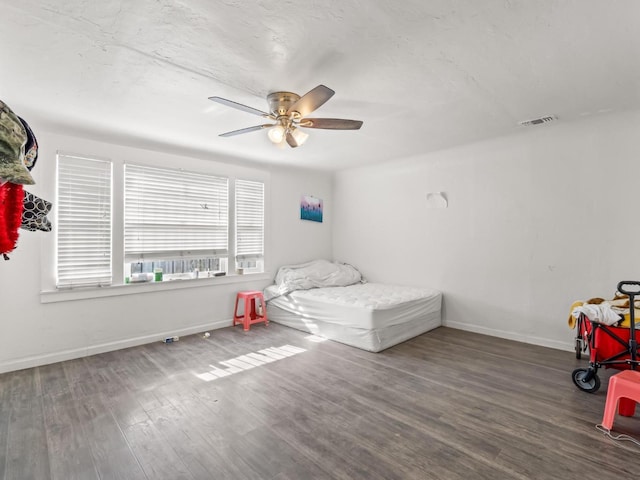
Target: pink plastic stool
[255, 310]
[623, 386]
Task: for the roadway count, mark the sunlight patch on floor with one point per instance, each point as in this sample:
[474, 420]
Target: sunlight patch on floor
[248, 361]
[315, 338]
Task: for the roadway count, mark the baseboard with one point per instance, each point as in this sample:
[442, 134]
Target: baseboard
[518, 337]
[39, 360]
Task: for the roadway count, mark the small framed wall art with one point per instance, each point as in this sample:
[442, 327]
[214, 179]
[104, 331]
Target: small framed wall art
[311, 208]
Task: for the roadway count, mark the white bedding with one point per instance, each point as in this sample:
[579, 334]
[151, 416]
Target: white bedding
[315, 274]
[370, 316]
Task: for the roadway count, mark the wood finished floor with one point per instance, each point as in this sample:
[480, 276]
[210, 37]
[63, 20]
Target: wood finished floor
[446, 405]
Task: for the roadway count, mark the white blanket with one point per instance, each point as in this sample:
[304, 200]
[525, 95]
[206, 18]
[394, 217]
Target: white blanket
[601, 313]
[315, 274]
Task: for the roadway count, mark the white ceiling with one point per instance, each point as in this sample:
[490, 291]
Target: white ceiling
[421, 74]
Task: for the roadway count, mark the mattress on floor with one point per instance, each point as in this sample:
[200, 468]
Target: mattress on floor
[369, 316]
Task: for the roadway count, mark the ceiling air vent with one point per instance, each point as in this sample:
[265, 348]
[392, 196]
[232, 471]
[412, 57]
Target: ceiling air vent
[538, 121]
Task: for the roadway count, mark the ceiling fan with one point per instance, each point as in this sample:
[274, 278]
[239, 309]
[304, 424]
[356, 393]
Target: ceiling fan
[289, 111]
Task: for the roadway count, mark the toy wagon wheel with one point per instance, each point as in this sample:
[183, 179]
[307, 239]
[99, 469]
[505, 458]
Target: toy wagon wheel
[586, 380]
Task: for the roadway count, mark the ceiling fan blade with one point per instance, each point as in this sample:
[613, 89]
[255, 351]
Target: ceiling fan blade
[291, 141]
[331, 123]
[245, 130]
[311, 100]
[239, 106]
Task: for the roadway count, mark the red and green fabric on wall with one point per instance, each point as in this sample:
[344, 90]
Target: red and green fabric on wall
[18, 155]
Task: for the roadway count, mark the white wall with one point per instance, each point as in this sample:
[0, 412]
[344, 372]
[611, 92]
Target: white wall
[535, 221]
[37, 333]
[295, 240]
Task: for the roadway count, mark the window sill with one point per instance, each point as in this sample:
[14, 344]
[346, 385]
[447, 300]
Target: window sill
[66, 295]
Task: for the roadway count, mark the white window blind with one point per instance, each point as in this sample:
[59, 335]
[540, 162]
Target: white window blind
[173, 213]
[249, 220]
[83, 222]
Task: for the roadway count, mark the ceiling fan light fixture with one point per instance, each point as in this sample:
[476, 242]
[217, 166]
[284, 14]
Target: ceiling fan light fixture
[276, 134]
[299, 136]
[288, 111]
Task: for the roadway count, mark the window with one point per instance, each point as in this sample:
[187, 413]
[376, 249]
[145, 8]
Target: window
[249, 225]
[175, 221]
[122, 223]
[84, 221]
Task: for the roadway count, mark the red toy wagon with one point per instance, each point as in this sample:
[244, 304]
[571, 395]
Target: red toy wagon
[609, 346]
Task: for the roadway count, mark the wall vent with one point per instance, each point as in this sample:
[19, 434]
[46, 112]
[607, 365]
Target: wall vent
[538, 121]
